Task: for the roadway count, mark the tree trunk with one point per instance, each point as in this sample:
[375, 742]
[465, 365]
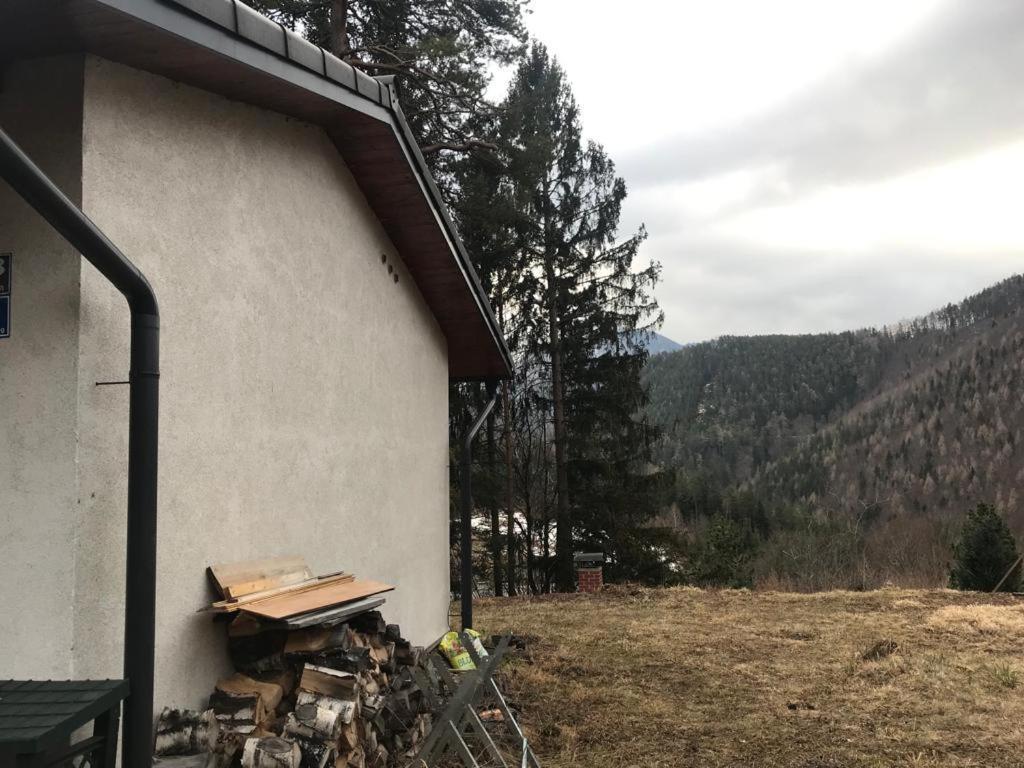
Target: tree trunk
[510, 515]
[339, 27]
[531, 582]
[563, 521]
[547, 553]
[547, 509]
[495, 511]
[563, 532]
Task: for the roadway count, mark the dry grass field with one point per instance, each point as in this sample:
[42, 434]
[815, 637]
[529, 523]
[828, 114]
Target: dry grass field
[685, 677]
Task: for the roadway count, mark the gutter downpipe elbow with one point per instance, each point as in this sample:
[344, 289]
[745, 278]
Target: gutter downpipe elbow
[466, 509]
[31, 184]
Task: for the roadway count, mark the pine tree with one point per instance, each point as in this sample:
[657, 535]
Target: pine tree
[440, 51]
[985, 552]
[485, 212]
[723, 557]
[588, 314]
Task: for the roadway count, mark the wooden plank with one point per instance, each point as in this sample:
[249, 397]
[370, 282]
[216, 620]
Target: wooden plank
[230, 606]
[242, 589]
[257, 587]
[297, 587]
[321, 596]
[284, 570]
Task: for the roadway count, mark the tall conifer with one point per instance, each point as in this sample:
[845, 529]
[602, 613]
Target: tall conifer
[590, 311]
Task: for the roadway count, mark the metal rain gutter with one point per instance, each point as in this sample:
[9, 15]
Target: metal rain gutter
[29, 182]
[466, 510]
[430, 190]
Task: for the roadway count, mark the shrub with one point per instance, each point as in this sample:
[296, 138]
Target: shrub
[984, 553]
[723, 557]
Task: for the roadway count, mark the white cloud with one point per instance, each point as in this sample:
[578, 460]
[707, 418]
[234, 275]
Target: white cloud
[970, 206]
[656, 68]
[807, 165]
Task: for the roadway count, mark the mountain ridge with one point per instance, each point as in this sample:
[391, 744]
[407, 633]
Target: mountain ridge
[888, 430]
[660, 345]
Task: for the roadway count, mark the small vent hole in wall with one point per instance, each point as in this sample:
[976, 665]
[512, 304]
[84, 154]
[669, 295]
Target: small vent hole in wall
[391, 269]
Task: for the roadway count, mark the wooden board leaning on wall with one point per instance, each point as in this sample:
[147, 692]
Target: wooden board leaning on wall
[283, 587]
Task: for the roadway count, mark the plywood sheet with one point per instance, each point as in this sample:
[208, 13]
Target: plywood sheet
[232, 605]
[334, 593]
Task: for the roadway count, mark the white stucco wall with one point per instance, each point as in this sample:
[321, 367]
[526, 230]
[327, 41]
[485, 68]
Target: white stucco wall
[41, 108]
[303, 392]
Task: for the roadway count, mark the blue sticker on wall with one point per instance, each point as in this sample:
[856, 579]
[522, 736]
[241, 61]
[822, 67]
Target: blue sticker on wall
[6, 279]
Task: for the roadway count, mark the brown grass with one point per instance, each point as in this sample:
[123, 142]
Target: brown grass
[684, 677]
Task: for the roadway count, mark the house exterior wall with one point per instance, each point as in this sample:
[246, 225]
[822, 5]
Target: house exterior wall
[41, 108]
[303, 391]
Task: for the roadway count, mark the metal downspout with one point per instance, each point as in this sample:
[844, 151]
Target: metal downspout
[28, 181]
[466, 509]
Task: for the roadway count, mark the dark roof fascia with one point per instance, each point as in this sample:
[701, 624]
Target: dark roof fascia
[198, 21]
[232, 29]
[444, 220]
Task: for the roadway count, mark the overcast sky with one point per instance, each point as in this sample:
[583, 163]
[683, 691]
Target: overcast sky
[806, 165]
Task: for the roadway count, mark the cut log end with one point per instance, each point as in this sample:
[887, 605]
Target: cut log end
[273, 752]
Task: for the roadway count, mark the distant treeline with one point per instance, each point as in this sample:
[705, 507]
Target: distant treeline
[846, 459]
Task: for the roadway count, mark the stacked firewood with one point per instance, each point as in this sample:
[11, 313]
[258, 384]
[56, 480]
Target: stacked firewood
[338, 695]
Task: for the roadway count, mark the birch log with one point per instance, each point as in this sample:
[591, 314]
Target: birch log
[185, 732]
[271, 753]
[346, 710]
[240, 712]
[202, 760]
[313, 722]
[316, 754]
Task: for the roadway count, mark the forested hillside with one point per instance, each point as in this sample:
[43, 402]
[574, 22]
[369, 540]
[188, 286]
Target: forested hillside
[843, 459]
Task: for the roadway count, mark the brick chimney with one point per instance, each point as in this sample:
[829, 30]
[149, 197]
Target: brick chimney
[589, 571]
